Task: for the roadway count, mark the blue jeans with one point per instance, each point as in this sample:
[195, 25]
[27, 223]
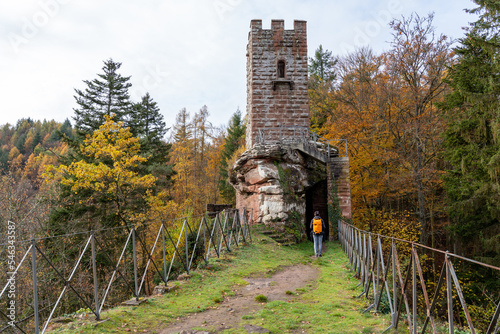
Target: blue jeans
[318, 243]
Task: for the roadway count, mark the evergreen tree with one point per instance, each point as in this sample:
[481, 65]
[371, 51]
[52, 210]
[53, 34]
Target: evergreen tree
[321, 77]
[235, 138]
[472, 138]
[146, 122]
[322, 65]
[67, 129]
[104, 96]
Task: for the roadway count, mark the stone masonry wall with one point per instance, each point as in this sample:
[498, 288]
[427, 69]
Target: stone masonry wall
[273, 101]
[338, 178]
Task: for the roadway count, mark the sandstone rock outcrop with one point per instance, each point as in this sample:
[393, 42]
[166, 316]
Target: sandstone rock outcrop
[272, 179]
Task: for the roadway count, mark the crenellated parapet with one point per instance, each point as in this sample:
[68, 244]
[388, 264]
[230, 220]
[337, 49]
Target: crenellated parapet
[277, 74]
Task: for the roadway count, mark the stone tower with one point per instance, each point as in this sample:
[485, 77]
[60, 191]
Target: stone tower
[284, 175]
[277, 69]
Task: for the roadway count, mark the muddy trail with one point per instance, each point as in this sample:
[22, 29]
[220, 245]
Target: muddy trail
[229, 313]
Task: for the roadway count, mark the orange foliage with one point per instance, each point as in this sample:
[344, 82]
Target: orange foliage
[385, 108]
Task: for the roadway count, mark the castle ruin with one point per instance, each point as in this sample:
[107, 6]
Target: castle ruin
[285, 174]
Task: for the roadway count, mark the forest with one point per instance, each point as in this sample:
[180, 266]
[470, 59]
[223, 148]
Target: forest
[54, 176]
[421, 121]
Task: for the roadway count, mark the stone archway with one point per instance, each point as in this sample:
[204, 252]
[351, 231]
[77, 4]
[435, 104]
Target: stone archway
[317, 200]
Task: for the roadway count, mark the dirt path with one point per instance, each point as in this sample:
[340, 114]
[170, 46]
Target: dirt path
[229, 313]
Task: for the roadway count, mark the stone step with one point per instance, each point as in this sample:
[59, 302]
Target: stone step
[283, 241]
[276, 236]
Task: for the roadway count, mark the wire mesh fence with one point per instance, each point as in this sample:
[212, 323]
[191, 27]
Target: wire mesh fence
[45, 278]
[425, 286]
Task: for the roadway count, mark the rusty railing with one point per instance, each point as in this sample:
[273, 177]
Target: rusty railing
[33, 288]
[376, 261]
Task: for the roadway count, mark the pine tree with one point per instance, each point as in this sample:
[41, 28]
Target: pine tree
[472, 138]
[146, 122]
[66, 129]
[104, 96]
[234, 139]
[321, 77]
[322, 65]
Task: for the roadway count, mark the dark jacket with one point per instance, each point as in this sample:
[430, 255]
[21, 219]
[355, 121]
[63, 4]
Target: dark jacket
[322, 223]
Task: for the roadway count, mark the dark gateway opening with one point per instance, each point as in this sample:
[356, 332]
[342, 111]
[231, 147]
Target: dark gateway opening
[317, 200]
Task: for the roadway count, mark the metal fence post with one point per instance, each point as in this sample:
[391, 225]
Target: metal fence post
[414, 286]
[164, 255]
[340, 232]
[449, 294]
[394, 284]
[94, 271]
[493, 323]
[134, 251]
[187, 249]
[206, 249]
[35, 287]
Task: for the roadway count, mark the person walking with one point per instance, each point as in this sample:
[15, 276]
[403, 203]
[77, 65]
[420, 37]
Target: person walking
[317, 230]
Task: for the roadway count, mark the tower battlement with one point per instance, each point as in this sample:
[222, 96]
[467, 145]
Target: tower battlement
[277, 71]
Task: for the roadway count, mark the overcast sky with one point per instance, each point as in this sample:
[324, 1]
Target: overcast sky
[185, 53]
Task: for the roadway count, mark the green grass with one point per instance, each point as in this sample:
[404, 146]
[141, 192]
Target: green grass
[328, 305]
[261, 299]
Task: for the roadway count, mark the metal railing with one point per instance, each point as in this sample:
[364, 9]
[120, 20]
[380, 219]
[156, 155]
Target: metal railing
[300, 134]
[147, 251]
[377, 263]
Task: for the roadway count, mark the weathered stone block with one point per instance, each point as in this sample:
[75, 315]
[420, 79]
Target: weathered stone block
[271, 190]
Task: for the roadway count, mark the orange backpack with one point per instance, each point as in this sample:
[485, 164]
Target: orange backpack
[317, 226]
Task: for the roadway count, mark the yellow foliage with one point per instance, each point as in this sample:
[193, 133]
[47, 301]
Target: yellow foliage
[196, 161]
[113, 154]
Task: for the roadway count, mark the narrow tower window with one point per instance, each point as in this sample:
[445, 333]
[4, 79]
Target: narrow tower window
[281, 68]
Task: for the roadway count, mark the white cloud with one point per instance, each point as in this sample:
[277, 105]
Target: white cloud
[185, 53]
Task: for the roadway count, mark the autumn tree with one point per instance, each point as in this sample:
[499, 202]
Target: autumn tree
[181, 156]
[358, 117]
[385, 107]
[417, 63]
[107, 96]
[196, 148]
[107, 191]
[202, 131]
[213, 171]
